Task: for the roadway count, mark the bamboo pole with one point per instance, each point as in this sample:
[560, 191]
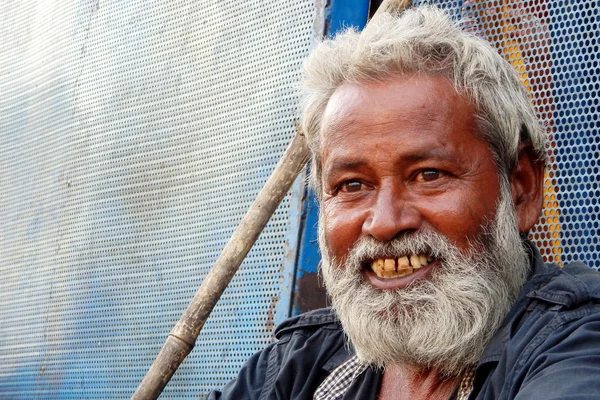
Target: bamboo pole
[182, 338]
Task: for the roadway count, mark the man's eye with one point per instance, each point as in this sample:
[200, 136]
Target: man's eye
[350, 186]
[429, 175]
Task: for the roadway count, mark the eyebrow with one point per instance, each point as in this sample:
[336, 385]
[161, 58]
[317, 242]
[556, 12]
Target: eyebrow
[433, 154]
[339, 166]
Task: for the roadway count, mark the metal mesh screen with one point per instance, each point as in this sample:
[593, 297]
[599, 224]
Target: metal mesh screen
[554, 46]
[133, 137]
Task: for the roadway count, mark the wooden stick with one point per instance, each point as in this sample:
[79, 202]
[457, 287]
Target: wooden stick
[182, 338]
[395, 7]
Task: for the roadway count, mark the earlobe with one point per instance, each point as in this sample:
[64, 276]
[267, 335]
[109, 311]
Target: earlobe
[527, 187]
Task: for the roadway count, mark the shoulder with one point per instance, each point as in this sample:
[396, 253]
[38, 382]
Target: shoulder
[313, 340]
[308, 347]
[309, 323]
[586, 278]
[573, 286]
[558, 352]
[562, 359]
[548, 346]
[566, 303]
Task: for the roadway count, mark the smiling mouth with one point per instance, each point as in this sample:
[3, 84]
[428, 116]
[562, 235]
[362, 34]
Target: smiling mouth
[388, 268]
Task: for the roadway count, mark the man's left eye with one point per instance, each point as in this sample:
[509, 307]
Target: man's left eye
[351, 186]
[429, 175]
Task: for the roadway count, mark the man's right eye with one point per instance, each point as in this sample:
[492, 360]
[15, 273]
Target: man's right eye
[350, 186]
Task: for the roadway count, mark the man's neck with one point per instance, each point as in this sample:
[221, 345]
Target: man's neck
[401, 382]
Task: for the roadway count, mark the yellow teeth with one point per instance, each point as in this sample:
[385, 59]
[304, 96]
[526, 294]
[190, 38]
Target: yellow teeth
[403, 263]
[415, 262]
[389, 265]
[395, 268]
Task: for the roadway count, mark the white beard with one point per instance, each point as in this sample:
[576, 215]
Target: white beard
[444, 321]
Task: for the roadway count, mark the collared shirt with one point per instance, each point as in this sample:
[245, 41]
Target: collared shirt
[336, 385]
[548, 347]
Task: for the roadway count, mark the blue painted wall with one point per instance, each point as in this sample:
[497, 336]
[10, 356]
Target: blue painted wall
[308, 293]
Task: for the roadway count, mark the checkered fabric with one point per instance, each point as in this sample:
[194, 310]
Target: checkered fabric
[335, 386]
[337, 383]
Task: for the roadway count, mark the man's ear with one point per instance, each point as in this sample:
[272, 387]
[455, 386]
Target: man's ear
[526, 183]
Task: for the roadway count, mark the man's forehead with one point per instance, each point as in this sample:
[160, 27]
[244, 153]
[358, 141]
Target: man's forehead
[426, 99]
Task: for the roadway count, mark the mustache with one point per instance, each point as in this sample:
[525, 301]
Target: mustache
[428, 243]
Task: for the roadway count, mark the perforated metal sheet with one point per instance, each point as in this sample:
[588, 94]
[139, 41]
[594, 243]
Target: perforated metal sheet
[134, 135]
[554, 46]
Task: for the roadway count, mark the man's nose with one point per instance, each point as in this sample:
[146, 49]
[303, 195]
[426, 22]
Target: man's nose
[391, 214]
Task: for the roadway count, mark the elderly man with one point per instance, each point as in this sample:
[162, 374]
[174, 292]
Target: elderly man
[428, 162]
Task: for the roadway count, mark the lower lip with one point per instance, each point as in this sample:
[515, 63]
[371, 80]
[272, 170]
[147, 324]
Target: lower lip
[398, 283]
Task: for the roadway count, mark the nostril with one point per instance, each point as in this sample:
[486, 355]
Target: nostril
[387, 222]
[388, 227]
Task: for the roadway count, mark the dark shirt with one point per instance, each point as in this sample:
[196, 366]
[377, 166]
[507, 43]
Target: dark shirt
[548, 347]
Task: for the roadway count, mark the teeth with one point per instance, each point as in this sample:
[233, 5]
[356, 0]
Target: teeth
[391, 268]
[390, 274]
[415, 262]
[377, 266]
[389, 265]
[403, 263]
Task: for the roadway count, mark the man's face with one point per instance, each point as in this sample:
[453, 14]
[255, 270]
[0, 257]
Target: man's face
[398, 157]
[421, 251]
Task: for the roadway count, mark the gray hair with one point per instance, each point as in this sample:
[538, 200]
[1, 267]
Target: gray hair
[424, 41]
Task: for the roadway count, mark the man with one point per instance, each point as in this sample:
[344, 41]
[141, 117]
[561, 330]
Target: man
[428, 162]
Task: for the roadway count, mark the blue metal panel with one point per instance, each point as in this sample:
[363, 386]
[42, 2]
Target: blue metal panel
[575, 92]
[341, 14]
[308, 293]
[293, 249]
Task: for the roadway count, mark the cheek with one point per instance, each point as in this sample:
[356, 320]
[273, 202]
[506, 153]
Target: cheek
[461, 218]
[341, 229]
